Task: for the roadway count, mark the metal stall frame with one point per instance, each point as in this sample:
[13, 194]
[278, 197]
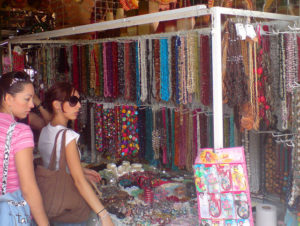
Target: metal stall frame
[193, 11]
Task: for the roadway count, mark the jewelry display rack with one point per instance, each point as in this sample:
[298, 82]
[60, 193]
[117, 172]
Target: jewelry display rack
[215, 13]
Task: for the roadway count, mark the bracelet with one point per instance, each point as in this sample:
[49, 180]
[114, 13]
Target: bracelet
[101, 211]
[102, 216]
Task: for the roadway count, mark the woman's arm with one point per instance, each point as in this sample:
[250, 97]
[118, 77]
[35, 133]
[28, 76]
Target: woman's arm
[30, 190]
[36, 122]
[45, 114]
[82, 185]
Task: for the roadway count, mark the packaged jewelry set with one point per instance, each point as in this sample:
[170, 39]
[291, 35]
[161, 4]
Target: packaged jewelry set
[222, 187]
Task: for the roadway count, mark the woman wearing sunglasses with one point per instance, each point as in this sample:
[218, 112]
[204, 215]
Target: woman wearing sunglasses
[63, 102]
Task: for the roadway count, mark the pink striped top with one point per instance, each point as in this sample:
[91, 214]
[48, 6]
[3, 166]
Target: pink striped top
[22, 138]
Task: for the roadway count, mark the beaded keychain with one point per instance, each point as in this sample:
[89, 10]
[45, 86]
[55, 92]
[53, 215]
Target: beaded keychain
[212, 179]
[217, 223]
[238, 178]
[243, 222]
[204, 205]
[205, 223]
[214, 205]
[227, 204]
[225, 177]
[200, 179]
[241, 205]
[230, 223]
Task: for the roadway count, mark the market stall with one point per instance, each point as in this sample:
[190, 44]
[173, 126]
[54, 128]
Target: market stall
[158, 99]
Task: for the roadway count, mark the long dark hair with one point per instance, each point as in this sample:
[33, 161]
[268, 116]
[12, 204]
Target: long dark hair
[13, 83]
[61, 91]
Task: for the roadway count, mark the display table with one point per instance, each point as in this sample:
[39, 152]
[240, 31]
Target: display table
[150, 198]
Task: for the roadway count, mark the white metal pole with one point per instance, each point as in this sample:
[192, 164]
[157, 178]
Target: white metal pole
[217, 78]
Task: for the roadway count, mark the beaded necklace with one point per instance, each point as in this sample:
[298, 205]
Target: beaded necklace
[173, 131]
[83, 70]
[289, 61]
[101, 71]
[190, 144]
[177, 47]
[69, 62]
[156, 61]
[75, 71]
[148, 134]
[80, 67]
[115, 79]
[284, 112]
[138, 77]
[169, 136]
[92, 71]
[192, 65]
[298, 55]
[296, 153]
[155, 135]
[129, 131]
[198, 81]
[149, 75]
[143, 73]
[118, 128]
[205, 70]
[48, 66]
[96, 63]
[236, 79]
[270, 166]
[246, 150]
[164, 70]
[127, 70]
[274, 66]
[172, 68]
[203, 129]
[86, 84]
[164, 136]
[142, 132]
[255, 90]
[133, 71]
[121, 68]
[177, 137]
[105, 72]
[196, 138]
[152, 70]
[62, 64]
[182, 69]
[170, 89]
[263, 72]
[109, 68]
[183, 146]
[98, 127]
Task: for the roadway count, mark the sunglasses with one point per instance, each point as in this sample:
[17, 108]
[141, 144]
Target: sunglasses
[73, 100]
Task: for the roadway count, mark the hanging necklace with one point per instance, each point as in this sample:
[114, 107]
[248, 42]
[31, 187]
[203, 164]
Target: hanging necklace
[142, 54]
[164, 70]
[138, 75]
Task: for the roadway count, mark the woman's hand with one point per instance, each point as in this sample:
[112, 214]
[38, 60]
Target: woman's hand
[91, 175]
[36, 100]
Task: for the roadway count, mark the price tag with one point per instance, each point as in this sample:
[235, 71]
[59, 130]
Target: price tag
[240, 31]
[250, 31]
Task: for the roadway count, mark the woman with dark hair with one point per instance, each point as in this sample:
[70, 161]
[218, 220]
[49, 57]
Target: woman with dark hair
[16, 101]
[63, 102]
